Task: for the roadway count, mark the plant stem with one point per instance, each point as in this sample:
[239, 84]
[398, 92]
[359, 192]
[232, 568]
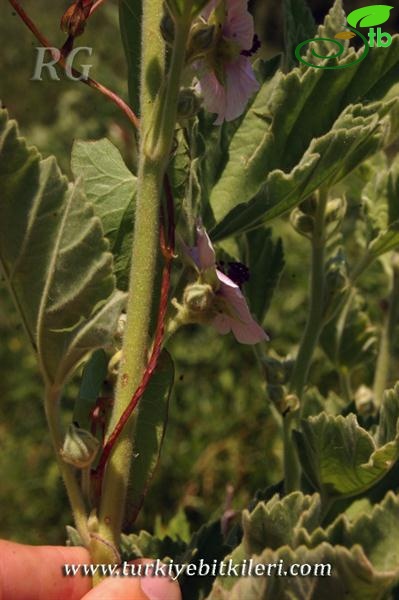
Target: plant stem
[381, 378]
[315, 317]
[155, 144]
[51, 404]
[308, 343]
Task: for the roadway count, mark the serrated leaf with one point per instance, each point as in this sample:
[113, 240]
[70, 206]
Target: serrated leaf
[130, 18]
[149, 431]
[356, 135]
[343, 573]
[277, 130]
[341, 459]
[145, 545]
[278, 521]
[375, 531]
[108, 183]
[369, 16]
[55, 259]
[265, 259]
[389, 415]
[335, 21]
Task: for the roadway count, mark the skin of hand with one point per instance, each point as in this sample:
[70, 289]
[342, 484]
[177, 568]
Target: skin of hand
[35, 573]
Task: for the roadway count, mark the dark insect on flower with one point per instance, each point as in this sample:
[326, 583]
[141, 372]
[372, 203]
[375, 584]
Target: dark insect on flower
[255, 47]
[236, 271]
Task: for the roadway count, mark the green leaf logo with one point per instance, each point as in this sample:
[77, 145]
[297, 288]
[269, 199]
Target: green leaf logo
[369, 16]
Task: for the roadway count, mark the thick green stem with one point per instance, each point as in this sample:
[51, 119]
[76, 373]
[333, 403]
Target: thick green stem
[381, 378]
[51, 404]
[315, 318]
[308, 343]
[157, 130]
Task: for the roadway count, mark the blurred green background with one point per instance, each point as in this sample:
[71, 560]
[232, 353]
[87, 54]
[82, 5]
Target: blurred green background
[221, 431]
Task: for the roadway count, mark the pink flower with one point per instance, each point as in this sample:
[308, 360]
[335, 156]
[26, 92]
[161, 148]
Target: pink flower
[232, 309]
[226, 78]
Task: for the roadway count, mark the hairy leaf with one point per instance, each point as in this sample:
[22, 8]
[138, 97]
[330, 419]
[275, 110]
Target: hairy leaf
[356, 135]
[339, 457]
[278, 129]
[277, 521]
[54, 258]
[111, 187]
[342, 573]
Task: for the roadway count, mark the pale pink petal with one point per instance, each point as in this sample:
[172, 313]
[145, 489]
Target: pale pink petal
[243, 325]
[241, 84]
[239, 24]
[248, 333]
[214, 95]
[222, 324]
[206, 253]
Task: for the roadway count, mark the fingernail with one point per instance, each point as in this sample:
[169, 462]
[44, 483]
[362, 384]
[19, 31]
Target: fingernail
[156, 588]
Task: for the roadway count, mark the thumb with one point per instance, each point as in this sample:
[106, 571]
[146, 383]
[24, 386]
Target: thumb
[136, 588]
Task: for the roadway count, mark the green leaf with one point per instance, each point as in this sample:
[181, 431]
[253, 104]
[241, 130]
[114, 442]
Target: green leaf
[277, 521]
[375, 531]
[356, 343]
[299, 25]
[265, 259]
[108, 183]
[389, 415]
[149, 431]
[343, 573]
[111, 187]
[54, 258]
[385, 242]
[369, 16]
[393, 192]
[357, 134]
[280, 126]
[341, 459]
[145, 545]
[130, 18]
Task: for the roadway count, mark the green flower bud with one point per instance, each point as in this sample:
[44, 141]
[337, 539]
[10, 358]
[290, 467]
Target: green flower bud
[303, 224]
[188, 104]
[201, 41]
[167, 27]
[309, 206]
[198, 297]
[80, 447]
[364, 401]
[335, 210]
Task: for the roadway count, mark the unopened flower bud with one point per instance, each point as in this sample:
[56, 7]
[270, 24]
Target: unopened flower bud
[80, 447]
[188, 104]
[303, 224]
[201, 41]
[198, 297]
[167, 27]
[364, 401]
[335, 210]
[309, 205]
